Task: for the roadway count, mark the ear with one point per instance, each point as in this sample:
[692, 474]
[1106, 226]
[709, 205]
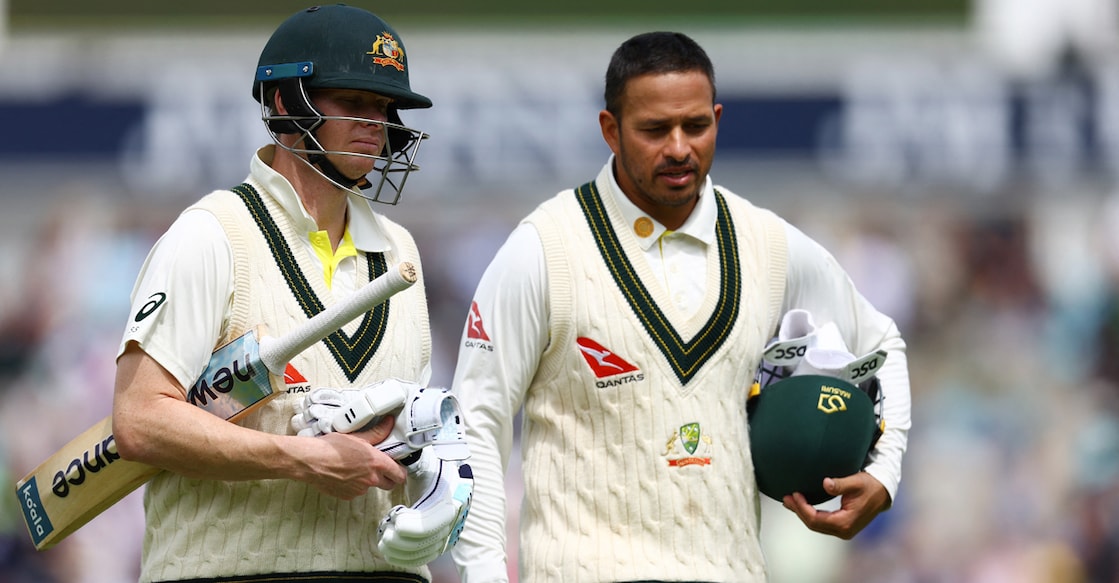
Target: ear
[610, 130]
[278, 103]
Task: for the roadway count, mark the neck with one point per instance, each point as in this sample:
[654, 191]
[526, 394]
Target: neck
[323, 200]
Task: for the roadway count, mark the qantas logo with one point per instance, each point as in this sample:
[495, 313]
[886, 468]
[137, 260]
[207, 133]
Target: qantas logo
[476, 336]
[292, 376]
[604, 363]
[296, 382]
[474, 328]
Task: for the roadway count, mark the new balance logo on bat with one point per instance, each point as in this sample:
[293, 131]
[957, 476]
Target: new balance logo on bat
[223, 380]
[93, 460]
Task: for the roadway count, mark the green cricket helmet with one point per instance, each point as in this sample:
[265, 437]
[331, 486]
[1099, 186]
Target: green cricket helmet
[809, 427]
[340, 47]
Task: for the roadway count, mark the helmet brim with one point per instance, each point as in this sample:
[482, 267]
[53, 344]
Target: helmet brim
[402, 98]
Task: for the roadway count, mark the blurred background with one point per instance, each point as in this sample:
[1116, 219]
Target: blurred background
[960, 158]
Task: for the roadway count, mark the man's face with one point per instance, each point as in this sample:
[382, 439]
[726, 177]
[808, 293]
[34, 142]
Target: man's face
[664, 142]
[351, 135]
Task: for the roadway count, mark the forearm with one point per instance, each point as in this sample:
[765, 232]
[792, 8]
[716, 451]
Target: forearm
[153, 424]
[481, 552]
[886, 457]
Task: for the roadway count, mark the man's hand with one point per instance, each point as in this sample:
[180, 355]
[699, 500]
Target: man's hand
[347, 465]
[424, 416]
[440, 492]
[862, 498]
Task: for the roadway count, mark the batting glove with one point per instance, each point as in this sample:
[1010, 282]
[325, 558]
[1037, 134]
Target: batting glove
[430, 417]
[327, 410]
[441, 492]
[803, 348]
[829, 356]
[795, 335]
[424, 416]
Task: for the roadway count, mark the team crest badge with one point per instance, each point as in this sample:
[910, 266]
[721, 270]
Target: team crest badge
[386, 52]
[689, 437]
[682, 447]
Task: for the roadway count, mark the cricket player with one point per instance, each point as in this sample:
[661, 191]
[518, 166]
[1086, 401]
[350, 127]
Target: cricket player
[626, 318]
[254, 501]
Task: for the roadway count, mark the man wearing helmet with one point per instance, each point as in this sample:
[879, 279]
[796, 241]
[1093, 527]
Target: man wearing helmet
[253, 500]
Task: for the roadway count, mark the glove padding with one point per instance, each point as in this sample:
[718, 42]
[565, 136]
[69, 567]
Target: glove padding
[803, 348]
[441, 492]
[326, 410]
[795, 335]
[829, 356]
[424, 416]
[430, 416]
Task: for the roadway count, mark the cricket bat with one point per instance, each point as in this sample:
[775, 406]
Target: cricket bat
[87, 475]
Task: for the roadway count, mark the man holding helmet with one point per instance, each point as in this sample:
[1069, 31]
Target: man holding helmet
[254, 501]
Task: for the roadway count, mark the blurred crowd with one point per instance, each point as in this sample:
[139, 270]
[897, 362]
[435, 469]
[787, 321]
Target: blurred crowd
[1010, 309]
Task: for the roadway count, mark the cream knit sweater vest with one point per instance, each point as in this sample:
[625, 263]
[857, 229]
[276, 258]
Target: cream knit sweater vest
[645, 474]
[205, 528]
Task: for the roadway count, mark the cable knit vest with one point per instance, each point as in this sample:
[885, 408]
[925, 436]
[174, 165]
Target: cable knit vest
[206, 528]
[636, 460]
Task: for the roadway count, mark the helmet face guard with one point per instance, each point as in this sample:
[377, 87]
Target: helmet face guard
[340, 47]
[391, 168]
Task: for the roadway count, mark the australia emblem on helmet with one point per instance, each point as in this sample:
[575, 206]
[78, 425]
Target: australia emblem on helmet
[386, 52]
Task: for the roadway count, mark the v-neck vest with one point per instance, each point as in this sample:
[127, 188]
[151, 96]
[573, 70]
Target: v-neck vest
[208, 528]
[636, 463]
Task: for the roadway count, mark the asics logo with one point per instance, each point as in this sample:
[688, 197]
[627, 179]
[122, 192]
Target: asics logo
[154, 301]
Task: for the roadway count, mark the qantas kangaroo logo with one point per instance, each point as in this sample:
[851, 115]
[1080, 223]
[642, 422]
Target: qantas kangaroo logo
[292, 376]
[476, 336]
[602, 361]
[474, 328]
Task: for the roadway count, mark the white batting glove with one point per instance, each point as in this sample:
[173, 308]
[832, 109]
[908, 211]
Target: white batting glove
[441, 492]
[795, 335]
[829, 356]
[424, 416]
[327, 410]
[430, 417]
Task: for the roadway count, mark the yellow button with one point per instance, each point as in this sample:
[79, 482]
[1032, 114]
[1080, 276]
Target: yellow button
[643, 226]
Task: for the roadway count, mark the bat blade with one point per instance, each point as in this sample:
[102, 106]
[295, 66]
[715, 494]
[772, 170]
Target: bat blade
[86, 476]
[77, 483]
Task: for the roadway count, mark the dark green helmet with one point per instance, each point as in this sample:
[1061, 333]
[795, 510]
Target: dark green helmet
[339, 47]
[809, 427]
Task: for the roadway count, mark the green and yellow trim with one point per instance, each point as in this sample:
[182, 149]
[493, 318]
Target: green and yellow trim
[685, 357]
[351, 352]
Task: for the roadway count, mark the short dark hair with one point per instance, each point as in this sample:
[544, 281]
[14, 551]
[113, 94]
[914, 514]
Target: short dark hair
[653, 52]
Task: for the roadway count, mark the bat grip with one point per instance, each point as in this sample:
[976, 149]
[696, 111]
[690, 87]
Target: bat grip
[276, 352]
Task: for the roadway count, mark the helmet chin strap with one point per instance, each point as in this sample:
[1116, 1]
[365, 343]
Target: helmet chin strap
[331, 171]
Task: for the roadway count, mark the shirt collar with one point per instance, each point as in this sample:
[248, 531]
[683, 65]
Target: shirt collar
[700, 225]
[364, 225]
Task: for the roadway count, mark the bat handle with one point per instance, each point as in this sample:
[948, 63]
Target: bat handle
[276, 352]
